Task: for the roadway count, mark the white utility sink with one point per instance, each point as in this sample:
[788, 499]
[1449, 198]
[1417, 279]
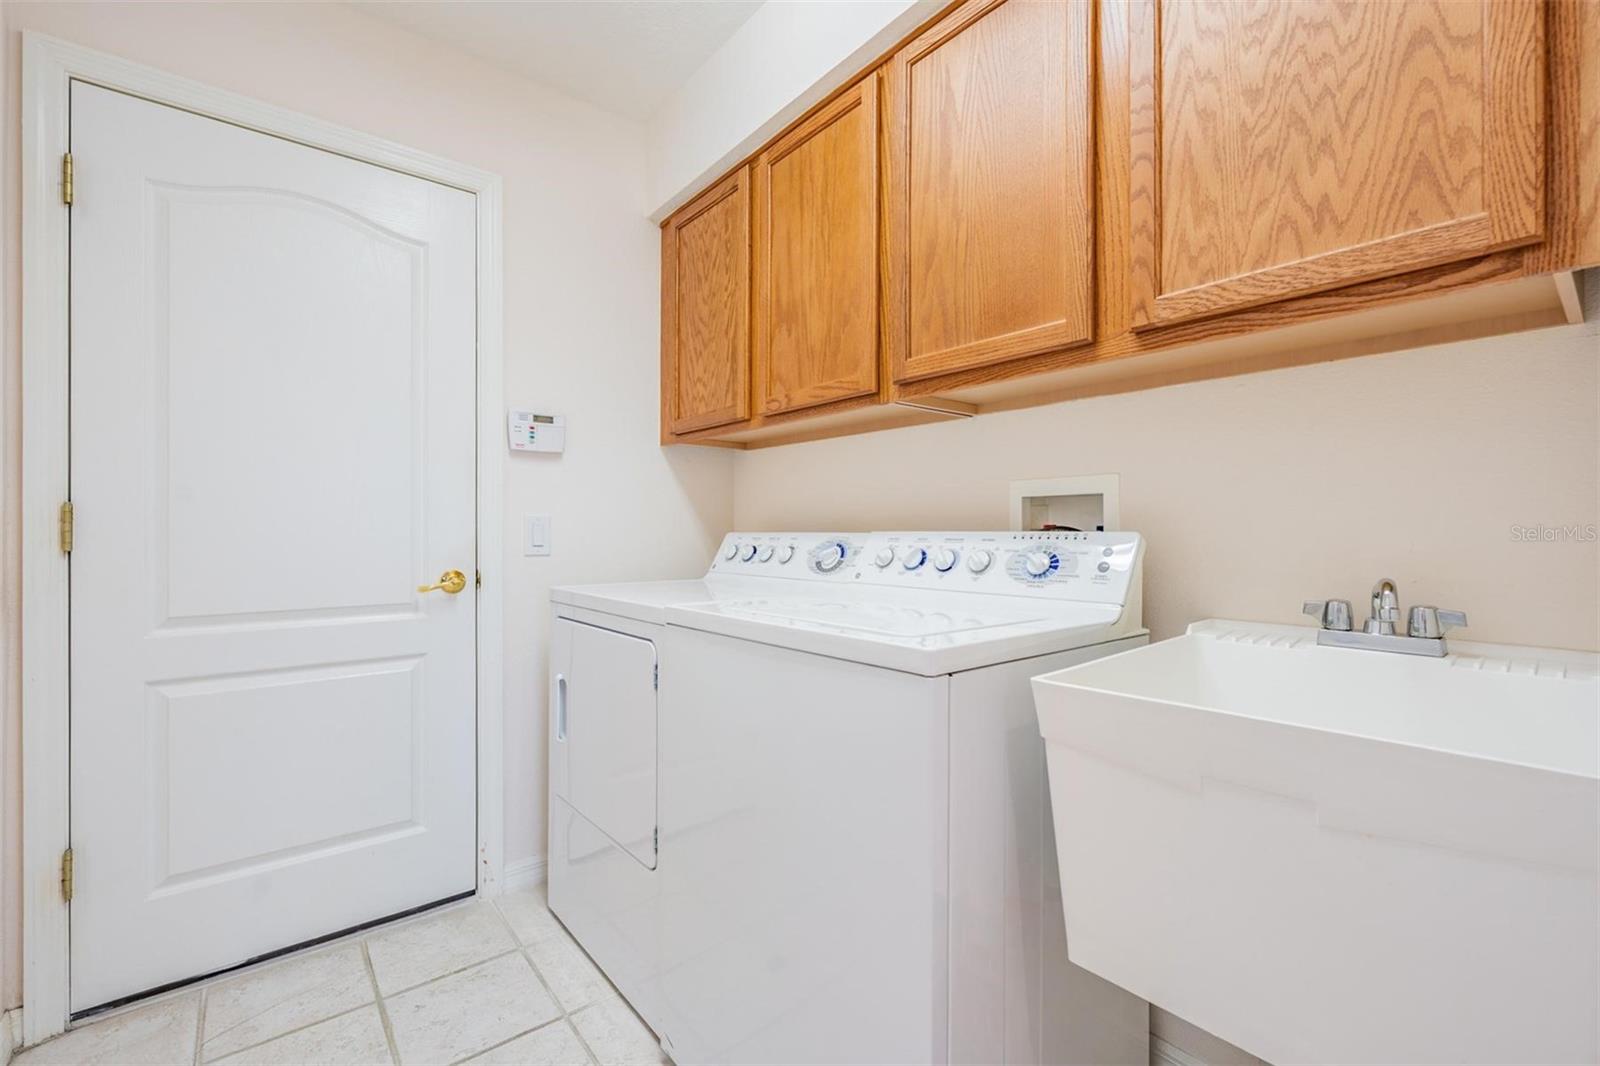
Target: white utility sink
[1333, 855]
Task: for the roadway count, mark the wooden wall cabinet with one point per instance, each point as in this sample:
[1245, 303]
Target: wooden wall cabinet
[1285, 148]
[705, 309]
[1027, 201]
[990, 218]
[816, 258]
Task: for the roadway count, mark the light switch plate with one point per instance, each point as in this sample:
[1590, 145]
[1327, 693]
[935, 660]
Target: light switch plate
[536, 534]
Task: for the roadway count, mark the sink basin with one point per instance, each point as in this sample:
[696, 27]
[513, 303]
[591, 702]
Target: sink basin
[1334, 855]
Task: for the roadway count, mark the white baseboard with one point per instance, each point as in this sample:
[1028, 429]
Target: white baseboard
[524, 873]
[10, 1033]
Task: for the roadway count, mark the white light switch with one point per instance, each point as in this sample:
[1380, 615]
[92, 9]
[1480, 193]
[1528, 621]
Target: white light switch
[536, 534]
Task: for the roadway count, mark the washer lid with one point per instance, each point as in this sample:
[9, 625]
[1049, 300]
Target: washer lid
[916, 632]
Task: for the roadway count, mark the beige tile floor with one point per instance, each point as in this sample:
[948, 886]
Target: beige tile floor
[481, 981]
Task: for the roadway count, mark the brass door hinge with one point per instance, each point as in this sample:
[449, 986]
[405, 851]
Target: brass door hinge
[66, 527]
[66, 179]
[66, 875]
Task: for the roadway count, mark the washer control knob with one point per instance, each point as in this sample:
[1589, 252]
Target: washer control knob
[980, 560]
[733, 550]
[944, 560]
[766, 554]
[884, 557]
[830, 558]
[915, 557]
[748, 552]
[1038, 563]
[785, 553]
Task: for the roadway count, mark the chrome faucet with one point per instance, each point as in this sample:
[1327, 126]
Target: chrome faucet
[1385, 608]
[1425, 625]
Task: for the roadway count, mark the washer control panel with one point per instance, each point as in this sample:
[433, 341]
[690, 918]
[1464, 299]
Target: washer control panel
[1093, 567]
[819, 556]
[1090, 567]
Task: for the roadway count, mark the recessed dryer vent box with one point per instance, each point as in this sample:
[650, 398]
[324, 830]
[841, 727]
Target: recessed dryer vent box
[1088, 502]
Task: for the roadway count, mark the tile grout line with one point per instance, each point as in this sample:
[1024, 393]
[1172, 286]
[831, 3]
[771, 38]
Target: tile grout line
[448, 973]
[538, 974]
[511, 1039]
[290, 1032]
[583, 1041]
[566, 1015]
[311, 953]
[383, 1008]
[200, 1027]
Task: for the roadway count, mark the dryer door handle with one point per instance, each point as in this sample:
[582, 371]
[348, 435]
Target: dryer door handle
[561, 707]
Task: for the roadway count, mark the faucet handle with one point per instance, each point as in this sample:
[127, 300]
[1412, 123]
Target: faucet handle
[1426, 621]
[1330, 614]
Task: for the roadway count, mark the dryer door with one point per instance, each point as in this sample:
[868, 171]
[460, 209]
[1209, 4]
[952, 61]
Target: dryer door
[603, 732]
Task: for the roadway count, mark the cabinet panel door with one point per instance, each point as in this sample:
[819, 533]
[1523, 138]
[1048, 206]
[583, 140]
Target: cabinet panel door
[990, 210]
[816, 257]
[705, 308]
[1284, 147]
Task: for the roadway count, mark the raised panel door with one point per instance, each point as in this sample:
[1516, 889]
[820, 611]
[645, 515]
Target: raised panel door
[816, 262]
[705, 308]
[1282, 148]
[990, 214]
[272, 440]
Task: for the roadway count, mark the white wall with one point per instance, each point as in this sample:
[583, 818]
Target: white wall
[789, 55]
[581, 319]
[1259, 492]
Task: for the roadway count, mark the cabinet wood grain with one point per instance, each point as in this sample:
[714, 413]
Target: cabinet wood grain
[989, 231]
[1264, 183]
[705, 309]
[1279, 149]
[815, 243]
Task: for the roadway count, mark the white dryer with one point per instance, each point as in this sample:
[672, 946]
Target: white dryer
[825, 837]
[604, 734]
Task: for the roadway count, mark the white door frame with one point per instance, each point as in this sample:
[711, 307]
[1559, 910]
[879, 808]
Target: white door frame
[49, 66]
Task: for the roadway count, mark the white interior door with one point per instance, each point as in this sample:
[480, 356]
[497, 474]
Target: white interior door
[272, 398]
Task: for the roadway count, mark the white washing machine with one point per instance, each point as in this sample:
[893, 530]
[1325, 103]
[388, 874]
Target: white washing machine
[804, 818]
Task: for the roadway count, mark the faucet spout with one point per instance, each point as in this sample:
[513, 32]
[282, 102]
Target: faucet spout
[1385, 608]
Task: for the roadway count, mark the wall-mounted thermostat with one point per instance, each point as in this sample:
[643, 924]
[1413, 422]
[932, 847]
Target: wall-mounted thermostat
[529, 431]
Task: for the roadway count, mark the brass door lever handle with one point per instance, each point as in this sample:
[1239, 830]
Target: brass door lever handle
[451, 581]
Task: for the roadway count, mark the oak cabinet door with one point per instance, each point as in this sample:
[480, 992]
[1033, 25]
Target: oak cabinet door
[816, 262]
[705, 308]
[990, 213]
[1285, 147]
